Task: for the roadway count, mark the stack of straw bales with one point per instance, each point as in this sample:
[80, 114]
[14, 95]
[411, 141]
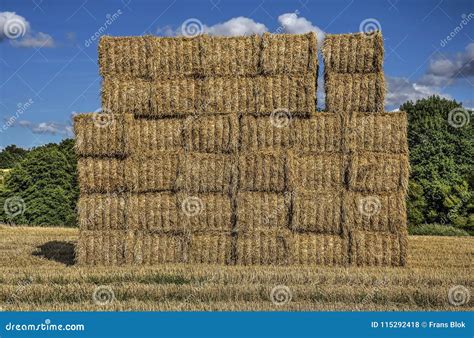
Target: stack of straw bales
[211, 151]
[374, 146]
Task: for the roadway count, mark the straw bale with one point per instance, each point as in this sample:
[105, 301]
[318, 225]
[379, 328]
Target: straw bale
[379, 132]
[322, 132]
[102, 134]
[289, 54]
[223, 95]
[174, 97]
[319, 249]
[315, 171]
[317, 211]
[121, 96]
[203, 172]
[230, 56]
[262, 210]
[157, 173]
[125, 57]
[375, 212]
[353, 53]
[205, 212]
[100, 174]
[264, 247]
[210, 248]
[103, 248]
[149, 138]
[175, 57]
[157, 248]
[377, 249]
[295, 95]
[212, 134]
[154, 212]
[263, 133]
[375, 172]
[102, 211]
[262, 171]
[355, 92]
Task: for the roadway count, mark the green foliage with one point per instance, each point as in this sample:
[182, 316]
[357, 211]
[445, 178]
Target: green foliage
[11, 155]
[436, 230]
[442, 165]
[44, 186]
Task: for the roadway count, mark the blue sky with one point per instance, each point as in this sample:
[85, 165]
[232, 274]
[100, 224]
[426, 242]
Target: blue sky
[50, 71]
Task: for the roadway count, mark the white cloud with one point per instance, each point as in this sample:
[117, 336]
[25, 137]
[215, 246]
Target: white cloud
[37, 40]
[46, 127]
[236, 26]
[291, 23]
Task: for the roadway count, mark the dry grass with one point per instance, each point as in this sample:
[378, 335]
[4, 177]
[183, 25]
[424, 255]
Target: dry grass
[35, 274]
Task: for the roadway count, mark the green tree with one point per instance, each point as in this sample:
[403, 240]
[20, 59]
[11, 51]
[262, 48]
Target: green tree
[11, 155]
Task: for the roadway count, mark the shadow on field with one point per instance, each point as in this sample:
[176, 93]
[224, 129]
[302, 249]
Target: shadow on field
[59, 251]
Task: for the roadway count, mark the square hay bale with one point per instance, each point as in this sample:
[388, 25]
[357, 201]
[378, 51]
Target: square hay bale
[264, 133]
[353, 53]
[224, 95]
[101, 175]
[315, 171]
[317, 211]
[102, 134]
[212, 134]
[175, 57]
[264, 247]
[150, 137]
[125, 57]
[174, 97]
[147, 248]
[289, 54]
[321, 132]
[263, 171]
[210, 248]
[378, 249]
[154, 212]
[293, 95]
[230, 56]
[157, 173]
[102, 248]
[375, 212]
[319, 249]
[355, 92]
[262, 210]
[102, 211]
[378, 132]
[375, 172]
[203, 172]
[122, 96]
[205, 212]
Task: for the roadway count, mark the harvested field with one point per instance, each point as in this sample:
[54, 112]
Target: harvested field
[36, 274]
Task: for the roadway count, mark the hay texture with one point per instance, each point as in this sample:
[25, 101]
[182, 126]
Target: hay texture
[105, 248]
[319, 249]
[377, 248]
[353, 53]
[101, 175]
[102, 211]
[320, 133]
[174, 97]
[315, 171]
[355, 92]
[210, 248]
[289, 54]
[382, 212]
[263, 171]
[102, 134]
[262, 210]
[316, 211]
[375, 172]
[223, 95]
[150, 138]
[123, 96]
[377, 132]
